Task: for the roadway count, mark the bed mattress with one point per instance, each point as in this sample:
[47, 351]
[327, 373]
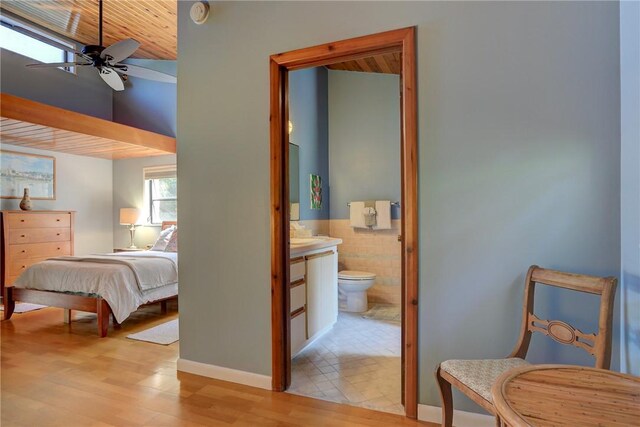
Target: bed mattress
[116, 283]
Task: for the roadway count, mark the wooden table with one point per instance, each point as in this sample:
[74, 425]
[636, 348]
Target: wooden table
[564, 395]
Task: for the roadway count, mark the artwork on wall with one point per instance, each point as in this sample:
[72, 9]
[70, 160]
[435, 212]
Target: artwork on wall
[316, 191]
[22, 170]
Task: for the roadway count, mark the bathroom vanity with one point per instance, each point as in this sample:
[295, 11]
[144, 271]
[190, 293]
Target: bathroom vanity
[313, 288]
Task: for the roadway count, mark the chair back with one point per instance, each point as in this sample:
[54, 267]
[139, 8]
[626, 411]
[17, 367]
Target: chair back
[598, 345]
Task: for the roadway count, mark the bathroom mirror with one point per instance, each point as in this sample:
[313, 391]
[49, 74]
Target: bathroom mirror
[294, 182]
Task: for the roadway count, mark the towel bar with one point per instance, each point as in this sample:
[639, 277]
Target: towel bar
[392, 204]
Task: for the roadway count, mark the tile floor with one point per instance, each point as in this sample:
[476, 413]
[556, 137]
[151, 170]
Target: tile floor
[356, 363]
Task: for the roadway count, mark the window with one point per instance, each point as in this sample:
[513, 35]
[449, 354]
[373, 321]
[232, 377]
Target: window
[161, 192]
[34, 44]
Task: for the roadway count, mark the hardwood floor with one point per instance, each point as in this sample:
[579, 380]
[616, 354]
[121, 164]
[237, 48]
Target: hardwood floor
[55, 374]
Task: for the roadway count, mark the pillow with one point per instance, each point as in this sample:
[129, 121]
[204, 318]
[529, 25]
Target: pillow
[172, 246]
[163, 239]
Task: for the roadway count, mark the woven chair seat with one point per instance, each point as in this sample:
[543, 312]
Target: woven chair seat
[479, 375]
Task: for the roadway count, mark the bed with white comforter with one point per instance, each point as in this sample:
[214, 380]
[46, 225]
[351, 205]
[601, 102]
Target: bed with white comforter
[119, 282]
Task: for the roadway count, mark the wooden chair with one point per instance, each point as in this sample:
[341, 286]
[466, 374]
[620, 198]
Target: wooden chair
[475, 377]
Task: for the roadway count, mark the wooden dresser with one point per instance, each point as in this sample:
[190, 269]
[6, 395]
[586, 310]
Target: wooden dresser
[29, 237]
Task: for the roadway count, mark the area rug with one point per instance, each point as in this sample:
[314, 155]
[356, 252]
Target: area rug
[387, 312]
[164, 334]
[24, 307]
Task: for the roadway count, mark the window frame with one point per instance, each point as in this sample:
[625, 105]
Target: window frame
[68, 47]
[148, 189]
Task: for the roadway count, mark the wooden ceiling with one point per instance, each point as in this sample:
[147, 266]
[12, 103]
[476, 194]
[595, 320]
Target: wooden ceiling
[388, 63]
[31, 124]
[151, 22]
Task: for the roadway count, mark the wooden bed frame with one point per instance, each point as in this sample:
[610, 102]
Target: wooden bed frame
[72, 302]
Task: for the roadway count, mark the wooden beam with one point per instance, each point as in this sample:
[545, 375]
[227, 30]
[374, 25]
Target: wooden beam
[24, 110]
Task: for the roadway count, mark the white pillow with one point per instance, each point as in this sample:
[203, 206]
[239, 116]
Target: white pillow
[163, 239]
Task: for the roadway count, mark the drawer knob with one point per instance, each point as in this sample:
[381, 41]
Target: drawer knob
[22, 235]
[22, 220]
[58, 248]
[57, 234]
[24, 251]
[58, 219]
[23, 267]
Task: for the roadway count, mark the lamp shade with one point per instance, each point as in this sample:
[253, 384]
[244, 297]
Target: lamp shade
[129, 216]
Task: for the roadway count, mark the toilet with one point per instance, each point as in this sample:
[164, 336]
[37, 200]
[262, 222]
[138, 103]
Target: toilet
[352, 289]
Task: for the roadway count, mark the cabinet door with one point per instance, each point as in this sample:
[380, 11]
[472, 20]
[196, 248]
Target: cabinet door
[314, 294]
[330, 278]
[322, 291]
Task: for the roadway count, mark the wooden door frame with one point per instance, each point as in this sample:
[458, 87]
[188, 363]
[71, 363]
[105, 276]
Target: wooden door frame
[396, 41]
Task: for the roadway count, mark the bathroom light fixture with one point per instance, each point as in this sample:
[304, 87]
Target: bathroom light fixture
[129, 216]
[290, 127]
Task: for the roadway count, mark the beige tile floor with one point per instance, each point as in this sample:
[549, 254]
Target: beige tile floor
[356, 363]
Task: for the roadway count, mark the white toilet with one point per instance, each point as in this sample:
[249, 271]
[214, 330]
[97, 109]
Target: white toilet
[352, 289]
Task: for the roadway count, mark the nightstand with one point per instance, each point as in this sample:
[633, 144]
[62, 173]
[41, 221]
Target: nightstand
[128, 250]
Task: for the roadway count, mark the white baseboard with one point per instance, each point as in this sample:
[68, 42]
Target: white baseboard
[460, 418]
[225, 374]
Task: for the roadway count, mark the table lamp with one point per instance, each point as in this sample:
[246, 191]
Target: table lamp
[129, 216]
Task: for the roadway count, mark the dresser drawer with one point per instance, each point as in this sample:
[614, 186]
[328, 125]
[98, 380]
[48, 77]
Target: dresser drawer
[298, 332]
[39, 220]
[39, 250]
[39, 235]
[298, 296]
[296, 269]
[16, 267]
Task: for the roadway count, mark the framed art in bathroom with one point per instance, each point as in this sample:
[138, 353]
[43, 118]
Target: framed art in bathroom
[25, 170]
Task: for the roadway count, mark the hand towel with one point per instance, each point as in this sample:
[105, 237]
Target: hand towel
[383, 215]
[356, 215]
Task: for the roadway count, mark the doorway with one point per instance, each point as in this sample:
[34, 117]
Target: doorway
[400, 42]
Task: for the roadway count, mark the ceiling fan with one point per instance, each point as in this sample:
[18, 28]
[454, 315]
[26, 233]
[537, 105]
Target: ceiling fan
[107, 61]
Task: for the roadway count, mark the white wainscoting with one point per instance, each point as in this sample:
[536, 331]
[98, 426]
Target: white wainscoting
[225, 374]
[460, 418]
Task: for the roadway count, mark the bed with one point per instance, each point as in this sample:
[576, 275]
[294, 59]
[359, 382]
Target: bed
[110, 285]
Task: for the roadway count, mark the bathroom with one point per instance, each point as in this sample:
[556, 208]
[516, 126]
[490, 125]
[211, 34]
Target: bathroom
[344, 162]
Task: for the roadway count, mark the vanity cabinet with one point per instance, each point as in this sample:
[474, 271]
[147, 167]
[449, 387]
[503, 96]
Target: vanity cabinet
[322, 291]
[313, 296]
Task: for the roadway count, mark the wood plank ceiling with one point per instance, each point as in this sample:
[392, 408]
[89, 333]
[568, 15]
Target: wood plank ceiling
[31, 124]
[385, 63]
[151, 22]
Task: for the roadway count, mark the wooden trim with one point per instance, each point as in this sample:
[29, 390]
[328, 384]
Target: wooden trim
[296, 260]
[320, 255]
[296, 283]
[299, 311]
[400, 41]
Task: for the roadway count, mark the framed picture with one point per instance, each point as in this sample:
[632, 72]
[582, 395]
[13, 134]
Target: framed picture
[22, 170]
[316, 191]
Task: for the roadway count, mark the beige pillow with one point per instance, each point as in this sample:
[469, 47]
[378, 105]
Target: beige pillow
[172, 246]
[163, 239]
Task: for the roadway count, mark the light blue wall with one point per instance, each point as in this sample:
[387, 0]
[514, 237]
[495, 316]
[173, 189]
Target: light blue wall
[364, 139]
[84, 92]
[630, 183]
[308, 113]
[519, 163]
[147, 104]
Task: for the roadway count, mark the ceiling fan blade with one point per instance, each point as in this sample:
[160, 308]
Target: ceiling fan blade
[111, 78]
[120, 51]
[56, 64]
[146, 73]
